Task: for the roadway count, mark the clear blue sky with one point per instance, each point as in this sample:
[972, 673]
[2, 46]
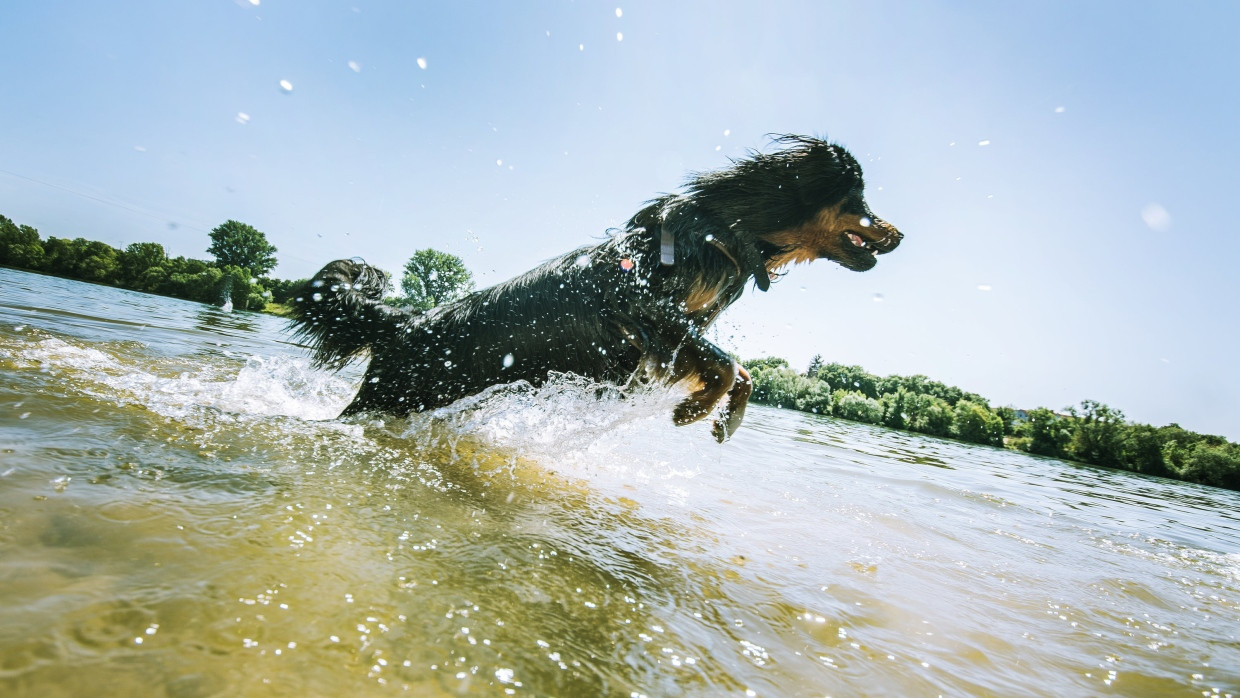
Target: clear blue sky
[1065, 172]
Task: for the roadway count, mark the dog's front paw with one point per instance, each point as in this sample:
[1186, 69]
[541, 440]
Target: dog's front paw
[727, 424]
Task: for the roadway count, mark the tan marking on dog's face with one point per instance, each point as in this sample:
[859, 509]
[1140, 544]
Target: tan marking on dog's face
[853, 240]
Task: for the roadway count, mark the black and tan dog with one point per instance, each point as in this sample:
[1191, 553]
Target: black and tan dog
[628, 311]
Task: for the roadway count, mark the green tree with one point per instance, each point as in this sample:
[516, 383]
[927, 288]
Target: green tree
[241, 289]
[141, 266]
[282, 289]
[849, 378]
[1143, 450]
[1213, 465]
[20, 245]
[977, 424]
[896, 408]
[79, 258]
[779, 385]
[815, 364]
[1049, 434]
[1098, 437]
[236, 244]
[929, 414]
[850, 404]
[1009, 417]
[765, 362]
[433, 278]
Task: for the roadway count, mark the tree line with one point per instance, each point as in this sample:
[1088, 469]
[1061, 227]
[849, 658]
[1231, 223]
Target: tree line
[1091, 433]
[238, 276]
[243, 257]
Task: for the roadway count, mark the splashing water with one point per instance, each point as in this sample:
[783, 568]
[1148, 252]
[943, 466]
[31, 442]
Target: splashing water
[181, 512]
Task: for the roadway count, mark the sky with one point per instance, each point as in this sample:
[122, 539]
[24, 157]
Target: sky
[1064, 172]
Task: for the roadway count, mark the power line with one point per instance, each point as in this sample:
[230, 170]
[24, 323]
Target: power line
[107, 202]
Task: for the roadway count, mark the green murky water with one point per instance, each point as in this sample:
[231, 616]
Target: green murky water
[181, 515]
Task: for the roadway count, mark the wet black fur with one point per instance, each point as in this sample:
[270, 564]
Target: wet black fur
[583, 312]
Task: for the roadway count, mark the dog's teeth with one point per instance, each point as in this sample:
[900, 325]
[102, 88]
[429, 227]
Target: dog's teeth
[856, 239]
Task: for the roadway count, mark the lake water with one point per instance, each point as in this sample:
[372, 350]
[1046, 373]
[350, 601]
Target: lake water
[181, 514]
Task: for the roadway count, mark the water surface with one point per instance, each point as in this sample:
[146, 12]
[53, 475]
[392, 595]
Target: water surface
[181, 514]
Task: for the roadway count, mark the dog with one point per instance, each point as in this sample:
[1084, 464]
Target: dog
[628, 311]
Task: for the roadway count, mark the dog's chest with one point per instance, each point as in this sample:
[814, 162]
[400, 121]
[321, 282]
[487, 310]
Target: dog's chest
[705, 299]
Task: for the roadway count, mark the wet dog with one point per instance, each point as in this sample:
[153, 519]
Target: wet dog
[628, 311]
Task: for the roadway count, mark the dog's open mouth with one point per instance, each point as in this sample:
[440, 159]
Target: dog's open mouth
[866, 244]
[861, 242]
[880, 236]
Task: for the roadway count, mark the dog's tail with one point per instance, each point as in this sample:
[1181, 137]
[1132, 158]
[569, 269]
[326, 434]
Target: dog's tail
[340, 312]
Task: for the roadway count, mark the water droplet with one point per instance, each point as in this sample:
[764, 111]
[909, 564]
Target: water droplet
[422, 63]
[355, 66]
[508, 360]
[983, 287]
[583, 260]
[984, 142]
[317, 297]
[581, 47]
[619, 12]
[1156, 217]
[286, 86]
[878, 298]
[1058, 110]
[619, 36]
[866, 222]
[243, 118]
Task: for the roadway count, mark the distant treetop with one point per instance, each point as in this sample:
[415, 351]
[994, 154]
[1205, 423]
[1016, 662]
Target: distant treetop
[237, 244]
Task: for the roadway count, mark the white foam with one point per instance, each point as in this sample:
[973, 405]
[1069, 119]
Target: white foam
[277, 385]
[580, 429]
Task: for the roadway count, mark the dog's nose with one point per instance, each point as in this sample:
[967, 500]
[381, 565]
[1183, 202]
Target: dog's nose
[891, 236]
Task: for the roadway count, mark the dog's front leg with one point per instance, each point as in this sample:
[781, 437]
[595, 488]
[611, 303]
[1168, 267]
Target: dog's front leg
[734, 410]
[710, 374]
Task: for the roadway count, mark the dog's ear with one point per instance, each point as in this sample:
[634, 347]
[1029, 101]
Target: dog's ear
[760, 275]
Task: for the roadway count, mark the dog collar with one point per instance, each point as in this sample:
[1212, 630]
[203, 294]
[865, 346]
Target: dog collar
[757, 264]
[752, 259]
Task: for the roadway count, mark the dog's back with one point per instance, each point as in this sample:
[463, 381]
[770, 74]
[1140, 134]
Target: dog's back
[573, 314]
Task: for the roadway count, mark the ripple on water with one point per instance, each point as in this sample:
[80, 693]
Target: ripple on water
[555, 541]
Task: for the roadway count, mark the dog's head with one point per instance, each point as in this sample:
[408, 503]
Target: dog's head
[801, 203]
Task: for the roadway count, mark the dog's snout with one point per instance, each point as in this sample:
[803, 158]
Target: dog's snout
[890, 236]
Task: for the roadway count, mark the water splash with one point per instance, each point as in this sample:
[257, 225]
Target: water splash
[264, 386]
